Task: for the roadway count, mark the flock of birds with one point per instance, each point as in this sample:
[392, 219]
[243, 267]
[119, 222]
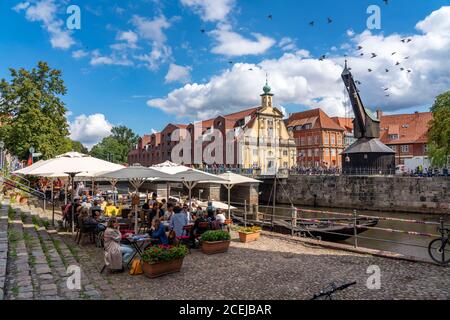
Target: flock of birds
[373, 55]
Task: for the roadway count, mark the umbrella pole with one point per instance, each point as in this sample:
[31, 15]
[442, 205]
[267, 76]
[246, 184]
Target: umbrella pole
[53, 204]
[229, 201]
[136, 215]
[65, 191]
[72, 177]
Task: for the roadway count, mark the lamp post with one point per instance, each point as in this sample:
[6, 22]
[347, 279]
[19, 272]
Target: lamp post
[2, 145]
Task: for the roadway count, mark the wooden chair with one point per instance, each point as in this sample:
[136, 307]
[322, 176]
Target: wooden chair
[83, 231]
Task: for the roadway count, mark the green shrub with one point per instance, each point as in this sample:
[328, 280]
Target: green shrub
[249, 230]
[215, 235]
[162, 253]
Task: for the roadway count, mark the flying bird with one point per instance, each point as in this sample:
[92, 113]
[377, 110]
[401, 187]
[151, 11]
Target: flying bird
[322, 57]
[402, 69]
[388, 95]
[359, 47]
[370, 70]
[251, 69]
[406, 58]
[269, 17]
[386, 2]
[202, 30]
[329, 20]
[403, 40]
[361, 54]
[374, 55]
[230, 62]
[387, 70]
[358, 82]
[409, 70]
[311, 23]
[398, 63]
[409, 40]
[393, 53]
[386, 89]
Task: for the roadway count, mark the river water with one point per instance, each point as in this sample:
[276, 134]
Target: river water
[416, 246]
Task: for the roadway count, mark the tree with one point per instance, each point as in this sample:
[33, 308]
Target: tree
[79, 147]
[115, 148]
[439, 133]
[32, 113]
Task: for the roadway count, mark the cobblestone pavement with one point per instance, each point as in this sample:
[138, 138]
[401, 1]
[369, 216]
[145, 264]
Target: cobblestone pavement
[270, 268]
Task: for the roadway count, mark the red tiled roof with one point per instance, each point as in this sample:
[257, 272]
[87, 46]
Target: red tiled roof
[317, 117]
[346, 123]
[410, 128]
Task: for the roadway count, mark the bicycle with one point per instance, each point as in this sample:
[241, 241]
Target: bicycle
[439, 249]
[327, 293]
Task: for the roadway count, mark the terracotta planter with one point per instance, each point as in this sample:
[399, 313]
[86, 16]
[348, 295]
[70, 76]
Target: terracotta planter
[18, 197]
[161, 268]
[249, 237]
[215, 247]
[23, 200]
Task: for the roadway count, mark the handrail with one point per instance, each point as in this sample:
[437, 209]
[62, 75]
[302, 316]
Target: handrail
[25, 188]
[22, 178]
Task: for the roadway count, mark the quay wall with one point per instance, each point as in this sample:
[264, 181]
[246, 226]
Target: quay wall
[389, 193]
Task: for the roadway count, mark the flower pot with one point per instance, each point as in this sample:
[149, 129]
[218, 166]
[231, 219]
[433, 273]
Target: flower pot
[23, 200]
[215, 247]
[162, 268]
[249, 237]
[18, 197]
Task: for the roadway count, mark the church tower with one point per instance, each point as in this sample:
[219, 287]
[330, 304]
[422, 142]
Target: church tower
[266, 97]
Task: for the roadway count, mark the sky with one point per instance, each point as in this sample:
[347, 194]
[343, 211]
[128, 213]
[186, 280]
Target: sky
[147, 63]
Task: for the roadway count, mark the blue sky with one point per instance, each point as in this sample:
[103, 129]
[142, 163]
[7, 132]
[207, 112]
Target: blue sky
[146, 63]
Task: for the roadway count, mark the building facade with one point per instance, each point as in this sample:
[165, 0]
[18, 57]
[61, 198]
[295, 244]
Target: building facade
[318, 138]
[253, 138]
[406, 134]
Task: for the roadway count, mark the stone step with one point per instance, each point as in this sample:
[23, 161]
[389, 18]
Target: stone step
[3, 248]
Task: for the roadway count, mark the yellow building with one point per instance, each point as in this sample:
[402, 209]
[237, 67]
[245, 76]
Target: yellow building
[266, 143]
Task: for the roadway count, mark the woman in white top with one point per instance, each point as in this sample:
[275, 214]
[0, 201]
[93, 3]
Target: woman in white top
[220, 217]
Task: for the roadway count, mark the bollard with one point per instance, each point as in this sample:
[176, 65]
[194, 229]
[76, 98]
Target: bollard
[355, 229]
[294, 218]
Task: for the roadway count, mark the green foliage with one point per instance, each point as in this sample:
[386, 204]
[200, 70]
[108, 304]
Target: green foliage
[215, 235]
[164, 253]
[78, 147]
[32, 113]
[439, 133]
[249, 230]
[115, 148]
[11, 213]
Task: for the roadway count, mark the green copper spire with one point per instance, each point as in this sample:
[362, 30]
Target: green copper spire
[267, 88]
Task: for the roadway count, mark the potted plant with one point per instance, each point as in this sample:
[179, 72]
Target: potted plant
[163, 259]
[23, 198]
[249, 234]
[215, 241]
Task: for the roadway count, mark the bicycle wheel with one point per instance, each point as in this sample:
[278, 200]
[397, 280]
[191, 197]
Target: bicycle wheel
[439, 254]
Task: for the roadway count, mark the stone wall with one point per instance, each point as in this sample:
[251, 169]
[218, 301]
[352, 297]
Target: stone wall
[403, 194]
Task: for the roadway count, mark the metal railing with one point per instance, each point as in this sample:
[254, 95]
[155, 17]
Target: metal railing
[293, 220]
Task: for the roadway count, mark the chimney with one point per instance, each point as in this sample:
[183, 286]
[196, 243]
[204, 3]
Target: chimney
[379, 114]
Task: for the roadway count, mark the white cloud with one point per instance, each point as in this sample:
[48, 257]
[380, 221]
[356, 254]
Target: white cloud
[114, 59]
[230, 43]
[350, 33]
[151, 29]
[178, 73]
[90, 130]
[78, 54]
[45, 12]
[287, 44]
[297, 79]
[210, 10]
[129, 36]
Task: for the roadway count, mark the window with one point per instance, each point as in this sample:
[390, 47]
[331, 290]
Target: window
[425, 148]
[255, 152]
[326, 139]
[394, 148]
[326, 151]
[307, 126]
[316, 140]
[310, 140]
[309, 152]
[393, 137]
[333, 152]
[316, 152]
[302, 141]
[339, 139]
[285, 153]
[405, 149]
[333, 139]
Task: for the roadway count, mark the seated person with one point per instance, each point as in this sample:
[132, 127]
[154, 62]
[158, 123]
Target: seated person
[158, 232]
[110, 210]
[178, 222]
[90, 223]
[210, 211]
[96, 210]
[220, 216]
[146, 206]
[196, 229]
[154, 213]
[115, 252]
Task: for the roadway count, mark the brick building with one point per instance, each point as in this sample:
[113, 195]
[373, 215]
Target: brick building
[319, 139]
[406, 134]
